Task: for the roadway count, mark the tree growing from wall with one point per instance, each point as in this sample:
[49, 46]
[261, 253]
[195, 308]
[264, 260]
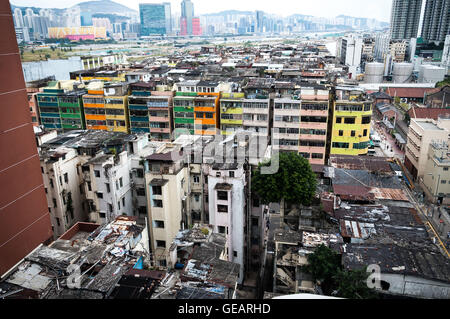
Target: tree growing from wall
[293, 183]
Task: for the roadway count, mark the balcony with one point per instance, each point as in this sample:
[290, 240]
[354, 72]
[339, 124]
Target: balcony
[159, 119]
[159, 130]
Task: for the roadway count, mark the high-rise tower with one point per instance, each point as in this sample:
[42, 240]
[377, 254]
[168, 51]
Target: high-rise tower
[405, 19]
[187, 13]
[436, 20]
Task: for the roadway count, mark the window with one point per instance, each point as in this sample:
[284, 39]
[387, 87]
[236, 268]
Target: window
[54, 202]
[157, 190]
[102, 215]
[157, 203]
[89, 186]
[304, 155]
[60, 181]
[231, 173]
[222, 195]
[140, 191]
[100, 195]
[235, 253]
[365, 132]
[340, 145]
[49, 210]
[350, 120]
[108, 188]
[338, 119]
[46, 190]
[445, 168]
[118, 205]
[443, 182]
[51, 182]
[360, 146]
[196, 179]
[117, 185]
[110, 208]
[353, 133]
[97, 173]
[221, 229]
[158, 224]
[140, 173]
[161, 243]
[222, 208]
[142, 210]
[341, 133]
[58, 222]
[121, 182]
[123, 201]
[197, 198]
[42, 170]
[317, 155]
[365, 120]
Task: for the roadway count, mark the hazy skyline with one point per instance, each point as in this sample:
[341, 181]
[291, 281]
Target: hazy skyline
[380, 9]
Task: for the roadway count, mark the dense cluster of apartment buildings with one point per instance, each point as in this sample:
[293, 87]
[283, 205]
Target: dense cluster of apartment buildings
[147, 189]
[305, 113]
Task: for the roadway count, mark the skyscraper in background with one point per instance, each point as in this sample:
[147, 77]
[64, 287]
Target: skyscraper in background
[18, 18]
[168, 17]
[187, 13]
[153, 18]
[405, 19]
[259, 21]
[24, 217]
[436, 20]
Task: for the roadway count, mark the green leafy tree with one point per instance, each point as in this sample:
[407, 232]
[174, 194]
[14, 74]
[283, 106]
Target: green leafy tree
[353, 284]
[323, 265]
[294, 182]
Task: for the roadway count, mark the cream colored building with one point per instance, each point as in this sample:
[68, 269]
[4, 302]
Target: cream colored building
[420, 135]
[166, 180]
[436, 178]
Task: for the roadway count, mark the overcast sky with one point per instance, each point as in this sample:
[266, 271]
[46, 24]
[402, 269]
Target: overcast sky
[377, 9]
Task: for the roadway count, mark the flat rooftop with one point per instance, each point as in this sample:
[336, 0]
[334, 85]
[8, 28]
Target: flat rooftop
[428, 126]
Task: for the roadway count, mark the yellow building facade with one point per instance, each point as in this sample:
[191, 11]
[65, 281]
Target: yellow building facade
[231, 112]
[351, 127]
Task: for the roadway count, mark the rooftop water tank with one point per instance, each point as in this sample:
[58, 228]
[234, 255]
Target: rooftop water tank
[374, 72]
[402, 72]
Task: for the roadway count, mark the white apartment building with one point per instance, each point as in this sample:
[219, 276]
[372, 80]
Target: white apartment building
[107, 185]
[445, 63]
[63, 188]
[286, 120]
[186, 86]
[350, 49]
[436, 177]
[257, 116]
[420, 135]
[141, 149]
[166, 186]
[227, 208]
